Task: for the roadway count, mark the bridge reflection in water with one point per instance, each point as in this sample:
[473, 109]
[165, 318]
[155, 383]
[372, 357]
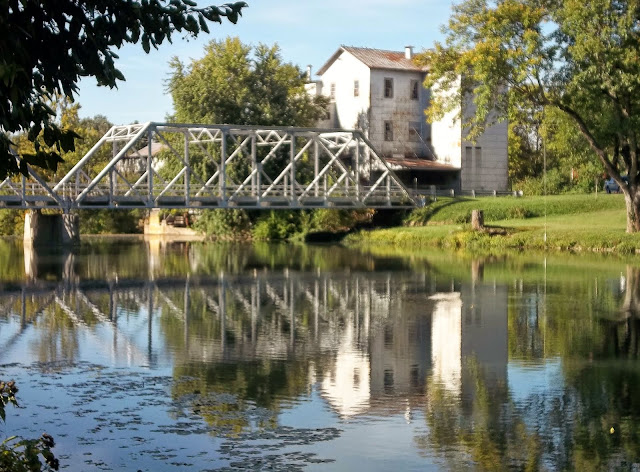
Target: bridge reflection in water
[376, 334]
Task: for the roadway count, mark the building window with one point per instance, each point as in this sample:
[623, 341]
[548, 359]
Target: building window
[333, 91]
[468, 155]
[356, 88]
[388, 87]
[388, 131]
[414, 131]
[388, 336]
[414, 90]
[388, 381]
[327, 116]
[478, 158]
[414, 376]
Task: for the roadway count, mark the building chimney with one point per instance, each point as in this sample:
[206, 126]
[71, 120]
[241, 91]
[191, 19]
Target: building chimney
[408, 52]
[309, 73]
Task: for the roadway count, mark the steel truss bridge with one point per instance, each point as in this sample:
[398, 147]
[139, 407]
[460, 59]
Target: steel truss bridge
[160, 165]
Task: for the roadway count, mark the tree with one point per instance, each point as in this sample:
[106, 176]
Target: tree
[47, 46]
[244, 85]
[581, 59]
[547, 154]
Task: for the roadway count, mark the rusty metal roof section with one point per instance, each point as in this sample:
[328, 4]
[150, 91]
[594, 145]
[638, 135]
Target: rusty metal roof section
[375, 59]
[419, 164]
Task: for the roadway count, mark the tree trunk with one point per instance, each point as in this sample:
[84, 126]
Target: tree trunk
[632, 202]
[477, 220]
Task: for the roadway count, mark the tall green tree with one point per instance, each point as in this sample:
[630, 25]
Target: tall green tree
[579, 58]
[46, 46]
[244, 85]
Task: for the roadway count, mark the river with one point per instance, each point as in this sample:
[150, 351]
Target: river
[155, 356]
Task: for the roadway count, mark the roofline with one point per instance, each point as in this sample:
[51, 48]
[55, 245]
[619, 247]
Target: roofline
[343, 48]
[331, 60]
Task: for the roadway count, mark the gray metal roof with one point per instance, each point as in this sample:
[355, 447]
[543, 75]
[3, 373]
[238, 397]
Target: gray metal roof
[375, 59]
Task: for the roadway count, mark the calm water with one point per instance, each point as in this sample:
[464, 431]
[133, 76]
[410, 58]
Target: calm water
[149, 356]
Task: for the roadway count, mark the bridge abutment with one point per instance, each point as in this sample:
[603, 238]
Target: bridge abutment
[51, 230]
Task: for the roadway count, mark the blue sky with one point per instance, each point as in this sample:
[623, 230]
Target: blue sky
[308, 32]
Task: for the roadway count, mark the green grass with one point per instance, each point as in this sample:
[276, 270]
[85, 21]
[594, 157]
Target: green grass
[458, 210]
[572, 222]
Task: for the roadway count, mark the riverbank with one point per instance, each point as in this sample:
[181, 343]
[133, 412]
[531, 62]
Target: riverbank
[579, 223]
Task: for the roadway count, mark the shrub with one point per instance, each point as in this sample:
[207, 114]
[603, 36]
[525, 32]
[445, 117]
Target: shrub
[339, 220]
[11, 222]
[279, 225]
[519, 212]
[224, 224]
[110, 221]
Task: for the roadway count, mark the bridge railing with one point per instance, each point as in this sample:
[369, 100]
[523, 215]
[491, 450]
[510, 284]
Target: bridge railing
[121, 196]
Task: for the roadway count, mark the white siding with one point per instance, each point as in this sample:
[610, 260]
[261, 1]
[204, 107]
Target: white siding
[488, 168]
[447, 138]
[349, 110]
[483, 163]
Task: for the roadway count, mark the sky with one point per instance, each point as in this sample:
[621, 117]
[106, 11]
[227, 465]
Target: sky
[308, 33]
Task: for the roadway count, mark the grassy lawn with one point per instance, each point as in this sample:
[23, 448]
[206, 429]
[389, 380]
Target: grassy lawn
[573, 222]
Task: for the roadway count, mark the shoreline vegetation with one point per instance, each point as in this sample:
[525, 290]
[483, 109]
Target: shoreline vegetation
[586, 223]
[574, 223]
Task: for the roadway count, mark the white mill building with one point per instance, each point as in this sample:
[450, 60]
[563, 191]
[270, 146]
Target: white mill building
[382, 93]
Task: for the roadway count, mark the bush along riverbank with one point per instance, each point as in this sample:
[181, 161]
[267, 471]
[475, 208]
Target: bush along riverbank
[280, 225]
[563, 222]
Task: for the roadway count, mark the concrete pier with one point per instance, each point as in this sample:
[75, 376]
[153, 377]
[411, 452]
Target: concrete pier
[51, 230]
[156, 227]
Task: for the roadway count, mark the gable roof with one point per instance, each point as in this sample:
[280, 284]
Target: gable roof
[375, 59]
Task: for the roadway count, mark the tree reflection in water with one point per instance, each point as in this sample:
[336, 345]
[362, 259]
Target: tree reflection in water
[250, 332]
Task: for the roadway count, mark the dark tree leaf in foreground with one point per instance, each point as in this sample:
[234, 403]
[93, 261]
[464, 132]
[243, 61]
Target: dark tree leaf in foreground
[46, 46]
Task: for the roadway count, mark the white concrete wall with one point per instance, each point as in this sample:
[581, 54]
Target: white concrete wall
[348, 110]
[488, 167]
[483, 163]
[446, 138]
[400, 110]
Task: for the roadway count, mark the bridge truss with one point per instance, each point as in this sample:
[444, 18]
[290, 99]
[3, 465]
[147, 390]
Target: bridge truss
[159, 165]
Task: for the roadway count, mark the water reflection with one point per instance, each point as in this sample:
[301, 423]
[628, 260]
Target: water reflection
[490, 363]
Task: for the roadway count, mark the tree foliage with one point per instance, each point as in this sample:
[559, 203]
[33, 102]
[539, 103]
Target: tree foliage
[23, 455]
[580, 59]
[547, 154]
[244, 85]
[46, 46]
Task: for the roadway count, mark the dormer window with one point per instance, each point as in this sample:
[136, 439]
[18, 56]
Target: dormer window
[388, 87]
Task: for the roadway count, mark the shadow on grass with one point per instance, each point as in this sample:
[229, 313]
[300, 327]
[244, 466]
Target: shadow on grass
[433, 208]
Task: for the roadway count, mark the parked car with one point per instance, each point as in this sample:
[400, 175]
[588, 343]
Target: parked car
[611, 186]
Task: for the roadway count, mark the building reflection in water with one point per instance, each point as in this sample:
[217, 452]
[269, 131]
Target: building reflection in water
[372, 340]
[246, 336]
